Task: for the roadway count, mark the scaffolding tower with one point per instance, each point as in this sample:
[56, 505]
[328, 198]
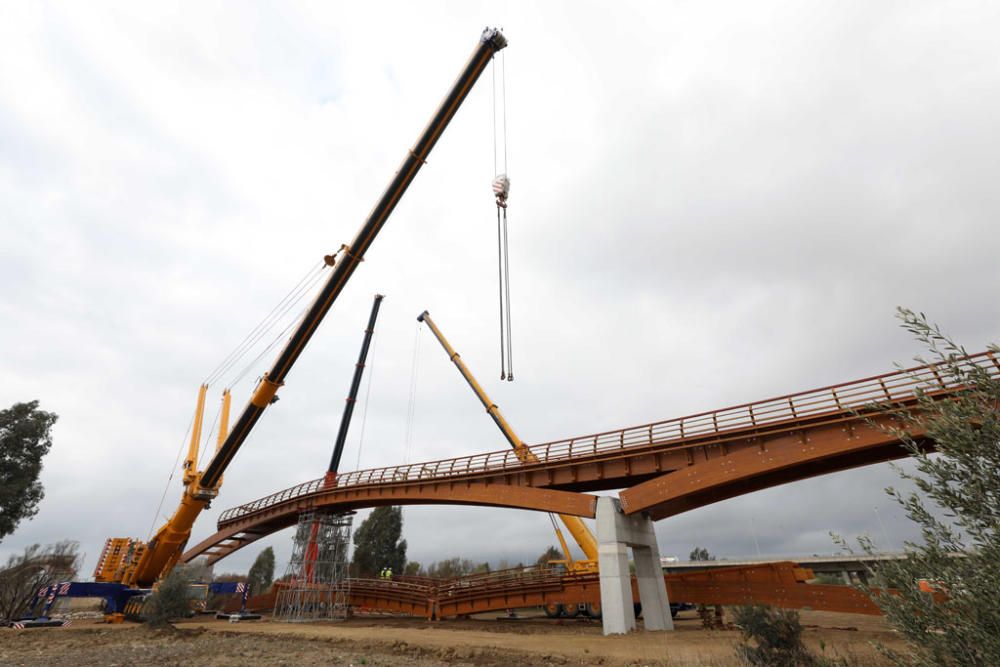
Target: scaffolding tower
[315, 586]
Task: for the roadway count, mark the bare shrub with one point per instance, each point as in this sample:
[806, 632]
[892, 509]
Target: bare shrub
[776, 636]
[29, 571]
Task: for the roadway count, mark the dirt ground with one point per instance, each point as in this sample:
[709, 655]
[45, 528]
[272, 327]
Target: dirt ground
[390, 642]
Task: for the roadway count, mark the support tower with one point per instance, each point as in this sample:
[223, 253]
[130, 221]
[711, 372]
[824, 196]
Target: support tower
[315, 586]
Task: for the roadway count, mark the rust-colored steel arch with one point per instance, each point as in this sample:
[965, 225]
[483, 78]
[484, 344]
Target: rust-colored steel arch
[663, 468]
[282, 509]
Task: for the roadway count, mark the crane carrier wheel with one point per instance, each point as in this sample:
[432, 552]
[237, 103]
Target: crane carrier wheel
[553, 609]
[571, 609]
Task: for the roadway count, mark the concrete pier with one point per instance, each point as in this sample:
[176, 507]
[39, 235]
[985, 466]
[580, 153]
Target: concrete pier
[616, 532]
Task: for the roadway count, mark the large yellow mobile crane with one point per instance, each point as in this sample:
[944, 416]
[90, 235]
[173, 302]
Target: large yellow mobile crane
[129, 567]
[574, 524]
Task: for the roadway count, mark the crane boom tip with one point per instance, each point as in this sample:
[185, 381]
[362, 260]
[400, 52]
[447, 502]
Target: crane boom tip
[494, 38]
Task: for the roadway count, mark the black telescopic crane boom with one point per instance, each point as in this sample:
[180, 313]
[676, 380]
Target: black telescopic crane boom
[492, 41]
[352, 395]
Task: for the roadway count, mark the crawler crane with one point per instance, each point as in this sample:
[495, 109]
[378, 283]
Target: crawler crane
[130, 567]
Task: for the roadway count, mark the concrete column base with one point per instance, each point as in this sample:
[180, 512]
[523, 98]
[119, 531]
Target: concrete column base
[615, 533]
[617, 612]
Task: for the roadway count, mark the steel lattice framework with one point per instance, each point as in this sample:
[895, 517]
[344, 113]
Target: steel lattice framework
[315, 586]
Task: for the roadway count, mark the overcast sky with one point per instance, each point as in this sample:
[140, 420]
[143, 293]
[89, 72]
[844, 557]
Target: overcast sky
[712, 203]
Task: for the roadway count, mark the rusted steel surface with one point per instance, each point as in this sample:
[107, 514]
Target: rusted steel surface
[765, 461]
[505, 589]
[395, 596]
[236, 534]
[776, 584]
[666, 467]
[781, 584]
[364, 595]
[833, 404]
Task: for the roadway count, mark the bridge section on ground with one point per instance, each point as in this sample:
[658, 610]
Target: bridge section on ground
[780, 584]
[663, 468]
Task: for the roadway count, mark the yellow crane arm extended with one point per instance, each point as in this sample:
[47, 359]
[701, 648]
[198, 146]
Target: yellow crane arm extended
[140, 564]
[129, 561]
[174, 534]
[574, 524]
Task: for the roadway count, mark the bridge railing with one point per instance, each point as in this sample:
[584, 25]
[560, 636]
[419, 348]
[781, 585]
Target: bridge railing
[840, 399]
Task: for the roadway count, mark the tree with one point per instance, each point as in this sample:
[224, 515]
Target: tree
[776, 635]
[171, 599]
[550, 554]
[451, 568]
[261, 574]
[197, 570]
[412, 569]
[377, 543]
[700, 553]
[29, 571]
[959, 557]
[24, 440]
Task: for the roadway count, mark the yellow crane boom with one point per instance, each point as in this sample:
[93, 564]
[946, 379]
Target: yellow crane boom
[574, 524]
[140, 564]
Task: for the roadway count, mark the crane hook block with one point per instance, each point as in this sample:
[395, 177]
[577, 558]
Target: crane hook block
[501, 188]
[265, 393]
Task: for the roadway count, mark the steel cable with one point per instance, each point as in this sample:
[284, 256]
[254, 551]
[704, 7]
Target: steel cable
[265, 325]
[208, 438]
[368, 393]
[173, 471]
[506, 275]
[307, 290]
[412, 403]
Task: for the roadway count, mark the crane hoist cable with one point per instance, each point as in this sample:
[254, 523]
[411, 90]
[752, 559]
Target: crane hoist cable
[208, 439]
[309, 289]
[277, 316]
[411, 406]
[282, 335]
[501, 190]
[265, 324]
[306, 286]
[368, 394]
[173, 470]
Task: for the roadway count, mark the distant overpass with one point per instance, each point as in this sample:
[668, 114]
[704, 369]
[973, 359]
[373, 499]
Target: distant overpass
[850, 567]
